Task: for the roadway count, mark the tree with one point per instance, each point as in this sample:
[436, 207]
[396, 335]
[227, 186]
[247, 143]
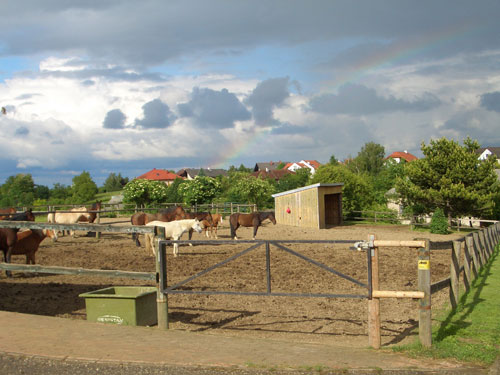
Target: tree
[114, 182]
[452, 178]
[18, 190]
[369, 160]
[333, 160]
[357, 194]
[201, 189]
[59, 193]
[293, 180]
[142, 192]
[83, 189]
[253, 191]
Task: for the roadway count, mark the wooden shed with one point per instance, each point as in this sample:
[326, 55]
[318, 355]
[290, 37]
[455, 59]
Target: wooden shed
[314, 206]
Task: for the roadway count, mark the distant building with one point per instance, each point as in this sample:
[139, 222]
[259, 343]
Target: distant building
[401, 157]
[159, 175]
[485, 152]
[312, 165]
[270, 166]
[191, 173]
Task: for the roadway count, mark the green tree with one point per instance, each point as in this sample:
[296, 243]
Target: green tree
[173, 193]
[143, 192]
[83, 189]
[59, 193]
[114, 182]
[452, 178]
[293, 180]
[333, 160]
[369, 160]
[18, 190]
[357, 195]
[201, 189]
[253, 191]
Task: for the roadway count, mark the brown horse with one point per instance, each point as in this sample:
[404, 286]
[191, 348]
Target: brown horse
[216, 220]
[8, 236]
[254, 220]
[5, 212]
[201, 216]
[142, 218]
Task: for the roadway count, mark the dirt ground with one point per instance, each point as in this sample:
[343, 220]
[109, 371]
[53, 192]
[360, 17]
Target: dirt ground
[315, 320]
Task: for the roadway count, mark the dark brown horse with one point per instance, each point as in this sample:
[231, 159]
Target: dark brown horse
[5, 212]
[8, 236]
[207, 216]
[142, 218]
[254, 220]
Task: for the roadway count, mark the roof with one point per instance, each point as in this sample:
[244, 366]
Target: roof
[275, 174]
[158, 175]
[306, 188]
[494, 150]
[314, 163]
[405, 155]
[209, 172]
[272, 165]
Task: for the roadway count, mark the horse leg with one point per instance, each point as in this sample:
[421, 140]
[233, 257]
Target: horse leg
[190, 235]
[7, 256]
[176, 245]
[256, 224]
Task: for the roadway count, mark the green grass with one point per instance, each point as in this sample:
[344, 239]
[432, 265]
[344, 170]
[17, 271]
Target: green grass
[471, 331]
[105, 197]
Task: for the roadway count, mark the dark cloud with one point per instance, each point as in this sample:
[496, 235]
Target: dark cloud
[268, 95]
[115, 119]
[361, 100]
[491, 101]
[157, 115]
[22, 131]
[218, 109]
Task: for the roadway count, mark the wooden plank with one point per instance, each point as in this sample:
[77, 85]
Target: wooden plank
[397, 294]
[388, 243]
[374, 336]
[77, 271]
[468, 262]
[424, 285]
[455, 272]
[81, 227]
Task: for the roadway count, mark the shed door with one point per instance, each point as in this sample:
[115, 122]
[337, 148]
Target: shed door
[332, 209]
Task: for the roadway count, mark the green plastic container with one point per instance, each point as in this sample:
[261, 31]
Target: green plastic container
[124, 305]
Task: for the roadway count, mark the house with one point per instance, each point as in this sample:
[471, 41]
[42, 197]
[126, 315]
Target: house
[275, 174]
[401, 157]
[485, 152]
[159, 175]
[191, 173]
[313, 165]
[271, 166]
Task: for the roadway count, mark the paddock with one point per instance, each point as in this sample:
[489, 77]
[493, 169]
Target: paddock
[343, 320]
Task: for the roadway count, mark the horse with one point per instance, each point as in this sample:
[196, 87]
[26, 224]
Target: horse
[28, 242]
[216, 220]
[201, 216]
[8, 236]
[173, 230]
[77, 214]
[142, 218]
[254, 219]
[5, 212]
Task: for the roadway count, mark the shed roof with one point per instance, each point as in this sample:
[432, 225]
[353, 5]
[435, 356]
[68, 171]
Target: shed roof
[306, 188]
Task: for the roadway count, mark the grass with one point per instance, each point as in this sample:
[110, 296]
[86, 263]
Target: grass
[471, 331]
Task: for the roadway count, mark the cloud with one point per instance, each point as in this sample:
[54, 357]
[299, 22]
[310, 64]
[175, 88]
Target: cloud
[21, 131]
[491, 101]
[156, 115]
[265, 97]
[361, 100]
[115, 119]
[217, 109]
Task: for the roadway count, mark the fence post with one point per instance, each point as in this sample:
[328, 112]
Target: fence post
[455, 273]
[424, 285]
[475, 255]
[374, 303]
[489, 241]
[161, 299]
[98, 221]
[468, 267]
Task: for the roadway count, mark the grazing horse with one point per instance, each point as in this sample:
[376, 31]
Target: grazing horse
[77, 214]
[216, 220]
[173, 230]
[5, 212]
[142, 218]
[201, 216]
[254, 220]
[28, 242]
[8, 236]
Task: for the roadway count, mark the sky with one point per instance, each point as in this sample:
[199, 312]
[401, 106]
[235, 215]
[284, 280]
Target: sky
[111, 86]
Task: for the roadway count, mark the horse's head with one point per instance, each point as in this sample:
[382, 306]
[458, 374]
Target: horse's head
[29, 215]
[196, 226]
[180, 214]
[272, 218]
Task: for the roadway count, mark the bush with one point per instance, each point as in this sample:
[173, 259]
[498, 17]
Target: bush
[439, 223]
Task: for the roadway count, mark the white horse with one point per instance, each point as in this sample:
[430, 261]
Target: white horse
[173, 230]
[79, 213]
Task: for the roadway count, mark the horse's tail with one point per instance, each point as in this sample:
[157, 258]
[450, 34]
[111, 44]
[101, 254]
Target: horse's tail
[232, 218]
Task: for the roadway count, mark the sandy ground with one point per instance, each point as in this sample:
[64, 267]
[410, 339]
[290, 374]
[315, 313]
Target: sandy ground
[316, 320]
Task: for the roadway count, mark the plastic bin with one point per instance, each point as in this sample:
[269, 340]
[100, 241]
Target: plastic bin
[124, 305]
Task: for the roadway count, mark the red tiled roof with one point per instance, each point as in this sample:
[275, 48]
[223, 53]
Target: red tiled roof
[159, 175]
[402, 155]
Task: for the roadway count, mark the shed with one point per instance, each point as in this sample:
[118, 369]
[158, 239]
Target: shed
[313, 206]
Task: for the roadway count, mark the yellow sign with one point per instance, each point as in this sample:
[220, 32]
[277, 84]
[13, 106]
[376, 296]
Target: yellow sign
[424, 264]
